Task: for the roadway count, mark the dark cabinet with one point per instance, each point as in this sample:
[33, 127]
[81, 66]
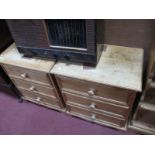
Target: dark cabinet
[6, 84]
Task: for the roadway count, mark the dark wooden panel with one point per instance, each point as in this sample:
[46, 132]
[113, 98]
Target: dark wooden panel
[31, 37]
[127, 32]
[4, 79]
[29, 33]
[5, 36]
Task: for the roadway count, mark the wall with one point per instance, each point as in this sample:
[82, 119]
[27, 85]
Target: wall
[131, 33]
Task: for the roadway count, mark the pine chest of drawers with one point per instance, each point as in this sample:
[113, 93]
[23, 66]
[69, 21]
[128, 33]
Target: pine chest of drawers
[31, 77]
[104, 94]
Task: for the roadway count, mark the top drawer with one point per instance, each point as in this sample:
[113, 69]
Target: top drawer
[27, 74]
[94, 90]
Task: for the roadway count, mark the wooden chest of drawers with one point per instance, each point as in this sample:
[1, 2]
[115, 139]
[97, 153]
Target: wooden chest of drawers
[98, 103]
[104, 94]
[31, 77]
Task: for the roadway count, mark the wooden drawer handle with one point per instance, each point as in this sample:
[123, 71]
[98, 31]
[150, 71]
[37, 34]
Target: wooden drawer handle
[32, 88]
[24, 75]
[91, 92]
[92, 106]
[93, 116]
[38, 99]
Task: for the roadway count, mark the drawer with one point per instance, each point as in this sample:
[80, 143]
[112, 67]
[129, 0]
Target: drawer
[96, 117]
[96, 105]
[33, 87]
[27, 74]
[28, 94]
[94, 90]
[39, 98]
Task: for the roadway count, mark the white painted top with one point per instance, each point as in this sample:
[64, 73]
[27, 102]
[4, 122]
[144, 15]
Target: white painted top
[11, 56]
[118, 66]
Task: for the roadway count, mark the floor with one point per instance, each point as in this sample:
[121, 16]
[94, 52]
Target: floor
[28, 118]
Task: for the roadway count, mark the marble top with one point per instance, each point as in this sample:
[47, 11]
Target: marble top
[11, 56]
[118, 66]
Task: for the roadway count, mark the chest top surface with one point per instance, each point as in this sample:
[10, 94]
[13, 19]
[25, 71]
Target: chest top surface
[118, 66]
[11, 56]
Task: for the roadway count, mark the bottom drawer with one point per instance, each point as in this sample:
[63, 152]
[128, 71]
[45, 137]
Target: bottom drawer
[39, 98]
[97, 117]
[28, 94]
[48, 105]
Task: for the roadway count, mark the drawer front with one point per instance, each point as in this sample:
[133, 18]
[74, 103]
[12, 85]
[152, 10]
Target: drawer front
[49, 101]
[28, 94]
[33, 87]
[122, 96]
[96, 105]
[96, 117]
[27, 74]
[39, 98]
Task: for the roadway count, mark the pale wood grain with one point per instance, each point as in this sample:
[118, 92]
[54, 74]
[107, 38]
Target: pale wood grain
[118, 66]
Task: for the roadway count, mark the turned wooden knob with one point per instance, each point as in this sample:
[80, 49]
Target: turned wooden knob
[91, 92]
[24, 75]
[32, 88]
[92, 106]
[38, 99]
[93, 116]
